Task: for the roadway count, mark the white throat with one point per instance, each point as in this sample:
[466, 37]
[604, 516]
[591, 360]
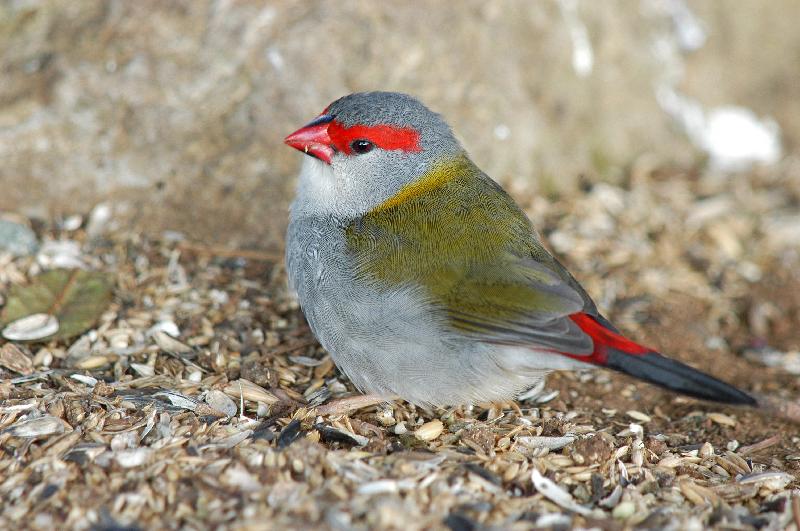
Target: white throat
[316, 189]
[340, 190]
[351, 186]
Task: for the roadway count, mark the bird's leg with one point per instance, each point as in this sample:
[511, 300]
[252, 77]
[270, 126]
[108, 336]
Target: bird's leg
[352, 403]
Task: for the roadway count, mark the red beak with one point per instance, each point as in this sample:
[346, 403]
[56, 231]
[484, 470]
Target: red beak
[313, 139]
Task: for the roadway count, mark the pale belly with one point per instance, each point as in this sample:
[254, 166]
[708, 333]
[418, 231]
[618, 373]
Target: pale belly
[391, 340]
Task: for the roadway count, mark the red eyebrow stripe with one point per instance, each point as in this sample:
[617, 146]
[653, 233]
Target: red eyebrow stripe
[383, 136]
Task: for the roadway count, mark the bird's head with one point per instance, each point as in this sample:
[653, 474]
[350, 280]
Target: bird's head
[365, 147]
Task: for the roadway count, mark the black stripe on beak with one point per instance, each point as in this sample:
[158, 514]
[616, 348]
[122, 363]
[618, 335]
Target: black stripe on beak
[319, 120]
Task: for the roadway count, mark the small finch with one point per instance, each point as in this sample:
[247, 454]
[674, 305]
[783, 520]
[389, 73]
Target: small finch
[424, 279]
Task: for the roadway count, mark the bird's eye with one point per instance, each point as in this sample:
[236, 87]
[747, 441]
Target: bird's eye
[361, 146]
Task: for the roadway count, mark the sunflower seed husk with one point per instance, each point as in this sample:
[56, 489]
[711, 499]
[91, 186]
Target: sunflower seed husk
[31, 328]
[36, 427]
[551, 443]
[15, 359]
[556, 494]
[430, 430]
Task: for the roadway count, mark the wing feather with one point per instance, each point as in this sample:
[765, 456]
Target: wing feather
[459, 235]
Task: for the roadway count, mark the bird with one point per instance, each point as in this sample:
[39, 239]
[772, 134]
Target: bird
[424, 279]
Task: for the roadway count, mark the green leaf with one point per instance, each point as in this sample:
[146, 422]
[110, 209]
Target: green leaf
[75, 297]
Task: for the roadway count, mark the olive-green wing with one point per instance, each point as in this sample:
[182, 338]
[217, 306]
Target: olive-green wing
[518, 302]
[463, 239]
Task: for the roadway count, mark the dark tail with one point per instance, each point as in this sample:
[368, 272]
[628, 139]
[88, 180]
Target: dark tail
[673, 375]
[615, 351]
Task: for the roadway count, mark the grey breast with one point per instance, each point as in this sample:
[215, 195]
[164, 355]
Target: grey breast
[321, 272]
[374, 335]
[315, 259]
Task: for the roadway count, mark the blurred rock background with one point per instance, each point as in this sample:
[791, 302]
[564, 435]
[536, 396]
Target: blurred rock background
[172, 113]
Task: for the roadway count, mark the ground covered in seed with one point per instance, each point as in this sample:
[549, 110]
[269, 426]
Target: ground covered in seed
[191, 402]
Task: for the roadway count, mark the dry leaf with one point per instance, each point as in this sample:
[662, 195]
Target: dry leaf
[76, 298]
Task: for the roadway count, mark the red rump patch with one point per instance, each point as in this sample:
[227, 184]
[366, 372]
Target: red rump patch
[603, 339]
[387, 137]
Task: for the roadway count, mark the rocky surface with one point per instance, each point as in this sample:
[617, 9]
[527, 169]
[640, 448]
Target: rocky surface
[173, 112]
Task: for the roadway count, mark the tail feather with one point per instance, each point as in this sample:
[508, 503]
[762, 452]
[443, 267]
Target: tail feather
[614, 351]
